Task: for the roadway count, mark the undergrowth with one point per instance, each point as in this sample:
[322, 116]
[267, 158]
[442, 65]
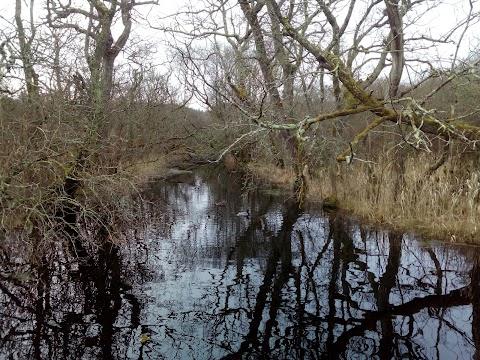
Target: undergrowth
[444, 204]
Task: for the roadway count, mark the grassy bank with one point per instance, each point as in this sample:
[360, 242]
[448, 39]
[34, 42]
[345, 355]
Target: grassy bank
[444, 204]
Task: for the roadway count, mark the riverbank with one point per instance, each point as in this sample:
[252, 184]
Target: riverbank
[444, 205]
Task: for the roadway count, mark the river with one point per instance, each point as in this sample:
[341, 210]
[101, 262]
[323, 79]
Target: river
[193, 280]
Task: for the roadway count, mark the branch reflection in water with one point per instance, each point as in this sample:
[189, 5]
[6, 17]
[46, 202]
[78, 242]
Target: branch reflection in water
[196, 281]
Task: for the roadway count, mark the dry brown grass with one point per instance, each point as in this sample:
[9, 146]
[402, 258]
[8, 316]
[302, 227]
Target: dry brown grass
[445, 204]
[269, 173]
[148, 166]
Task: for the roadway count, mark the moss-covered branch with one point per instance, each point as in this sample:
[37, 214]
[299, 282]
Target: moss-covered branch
[413, 114]
[362, 134]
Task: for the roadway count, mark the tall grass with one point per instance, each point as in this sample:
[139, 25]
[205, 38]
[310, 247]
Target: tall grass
[443, 204]
[404, 194]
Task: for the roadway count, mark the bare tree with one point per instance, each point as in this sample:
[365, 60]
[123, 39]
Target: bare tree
[343, 45]
[26, 53]
[100, 48]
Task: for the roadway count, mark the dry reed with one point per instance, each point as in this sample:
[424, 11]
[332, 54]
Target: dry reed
[445, 204]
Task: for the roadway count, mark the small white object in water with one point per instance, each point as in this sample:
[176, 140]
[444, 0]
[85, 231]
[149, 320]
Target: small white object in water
[244, 213]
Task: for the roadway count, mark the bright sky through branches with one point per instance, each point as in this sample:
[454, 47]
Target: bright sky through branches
[152, 46]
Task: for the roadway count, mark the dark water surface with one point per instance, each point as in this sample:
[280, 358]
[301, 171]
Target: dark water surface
[199, 282]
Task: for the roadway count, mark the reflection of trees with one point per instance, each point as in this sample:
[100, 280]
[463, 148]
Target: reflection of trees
[475, 296]
[316, 287]
[269, 296]
[281, 284]
[68, 314]
[347, 300]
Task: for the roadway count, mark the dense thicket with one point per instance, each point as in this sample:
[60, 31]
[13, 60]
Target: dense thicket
[361, 101]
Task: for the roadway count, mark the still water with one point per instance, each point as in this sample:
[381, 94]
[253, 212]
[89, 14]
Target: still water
[196, 281]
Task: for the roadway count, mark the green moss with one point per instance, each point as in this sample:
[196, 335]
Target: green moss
[330, 203]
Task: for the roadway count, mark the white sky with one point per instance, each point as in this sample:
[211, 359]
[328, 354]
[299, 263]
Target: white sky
[438, 20]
